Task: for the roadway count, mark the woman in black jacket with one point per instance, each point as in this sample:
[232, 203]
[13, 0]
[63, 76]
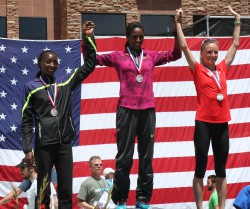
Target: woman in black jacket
[47, 103]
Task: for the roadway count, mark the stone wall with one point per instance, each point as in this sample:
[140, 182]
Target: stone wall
[73, 9]
[132, 9]
[12, 18]
[65, 21]
[213, 8]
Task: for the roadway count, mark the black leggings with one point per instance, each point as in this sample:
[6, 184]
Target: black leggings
[218, 134]
[59, 155]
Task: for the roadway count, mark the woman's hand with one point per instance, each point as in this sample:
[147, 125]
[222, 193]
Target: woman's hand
[178, 16]
[237, 16]
[88, 28]
[30, 158]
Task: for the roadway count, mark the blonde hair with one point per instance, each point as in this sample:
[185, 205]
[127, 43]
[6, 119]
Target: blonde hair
[206, 42]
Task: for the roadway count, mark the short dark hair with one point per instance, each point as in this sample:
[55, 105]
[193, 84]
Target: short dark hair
[130, 27]
[40, 57]
[213, 178]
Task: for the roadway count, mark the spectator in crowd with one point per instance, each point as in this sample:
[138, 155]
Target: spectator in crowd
[109, 175]
[23, 187]
[28, 186]
[93, 187]
[211, 186]
[242, 200]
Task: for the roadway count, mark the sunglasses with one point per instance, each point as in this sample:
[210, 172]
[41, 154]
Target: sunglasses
[209, 40]
[96, 165]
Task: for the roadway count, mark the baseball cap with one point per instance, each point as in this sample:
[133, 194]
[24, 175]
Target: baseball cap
[23, 164]
[108, 170]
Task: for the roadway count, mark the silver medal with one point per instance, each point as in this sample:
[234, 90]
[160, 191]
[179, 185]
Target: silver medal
[139, 78]
[220, 97]
[54, 112]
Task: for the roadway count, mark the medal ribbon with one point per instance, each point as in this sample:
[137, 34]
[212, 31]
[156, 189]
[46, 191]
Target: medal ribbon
[52, 97]
[215, 76]
[139, 65]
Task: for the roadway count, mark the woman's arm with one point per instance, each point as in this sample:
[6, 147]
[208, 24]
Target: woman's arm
[182, 41]
[235, 42]
[89, 46]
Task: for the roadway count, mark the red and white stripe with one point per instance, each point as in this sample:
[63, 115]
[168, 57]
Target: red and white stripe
[175, 98]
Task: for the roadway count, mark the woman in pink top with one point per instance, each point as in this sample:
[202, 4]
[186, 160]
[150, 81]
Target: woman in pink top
[135, 112]
[212, 114]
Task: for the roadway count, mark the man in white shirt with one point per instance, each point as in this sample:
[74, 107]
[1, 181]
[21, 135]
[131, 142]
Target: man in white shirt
[29, 172]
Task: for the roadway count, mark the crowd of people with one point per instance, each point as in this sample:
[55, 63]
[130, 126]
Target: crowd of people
[47, 104]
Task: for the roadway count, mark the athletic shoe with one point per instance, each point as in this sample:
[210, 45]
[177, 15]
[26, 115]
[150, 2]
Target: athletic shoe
[121, 205]
[142, 205]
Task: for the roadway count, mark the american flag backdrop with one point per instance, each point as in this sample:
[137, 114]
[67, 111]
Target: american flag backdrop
[95, 107]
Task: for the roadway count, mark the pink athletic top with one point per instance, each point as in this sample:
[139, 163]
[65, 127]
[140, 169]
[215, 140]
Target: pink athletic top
[209, 109]
[135, 95]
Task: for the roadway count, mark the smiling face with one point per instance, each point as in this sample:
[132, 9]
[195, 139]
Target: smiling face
[135, 39]
[48, 63]
[209, 54]
[96, 167]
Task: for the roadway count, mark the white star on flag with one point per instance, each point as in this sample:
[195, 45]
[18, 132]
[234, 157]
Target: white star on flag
[3, 94]
[13, 128]
[2, 116]
[68, 49]
[68, 70]
[13, 59]
[2, 69]
[2, 138]
[24, 49]
[14, 106]
[13, 81]
[2, 48]
[35, 61]
[25, 71]
[46, 49]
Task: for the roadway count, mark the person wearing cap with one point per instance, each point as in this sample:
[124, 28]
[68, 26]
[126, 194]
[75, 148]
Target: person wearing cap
[23, 187]
[109, 175]
[29, 172]
[29, 185]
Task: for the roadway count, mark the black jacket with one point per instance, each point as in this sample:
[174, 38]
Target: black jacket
[53, 129]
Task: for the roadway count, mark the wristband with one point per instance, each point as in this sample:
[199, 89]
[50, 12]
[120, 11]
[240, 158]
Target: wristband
[174, 33]
[237, 22]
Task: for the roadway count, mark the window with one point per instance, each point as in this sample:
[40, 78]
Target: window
[33, 28]
[3, 27]
[222, 26]
[107, 24]
[157, 25]
[217, 26]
